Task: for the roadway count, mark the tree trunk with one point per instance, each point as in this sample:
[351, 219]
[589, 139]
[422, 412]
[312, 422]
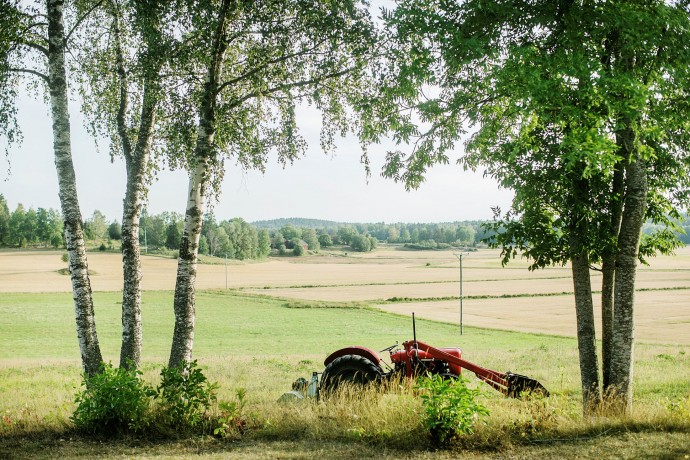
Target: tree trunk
[185, 295]
[586, 337]
[608, 272]
[624, 296]
[74, 235]
[130, 350]
[608, 269]
[578, 229]
[199, 181]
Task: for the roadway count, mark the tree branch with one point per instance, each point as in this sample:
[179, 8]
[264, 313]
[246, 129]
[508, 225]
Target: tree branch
[30, 71]
[123, 90]
[37, 47]
[297, 84]
[264, 65]
[80, 20]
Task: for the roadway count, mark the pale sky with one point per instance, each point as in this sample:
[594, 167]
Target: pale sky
[332, 187]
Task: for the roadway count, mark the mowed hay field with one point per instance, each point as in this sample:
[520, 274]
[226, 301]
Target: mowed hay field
[400, 281]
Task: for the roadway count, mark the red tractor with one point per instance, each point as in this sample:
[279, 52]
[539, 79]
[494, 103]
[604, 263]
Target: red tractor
[360, 365]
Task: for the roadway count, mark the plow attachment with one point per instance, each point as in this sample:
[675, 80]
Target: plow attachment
[513, 385]
[519, 384]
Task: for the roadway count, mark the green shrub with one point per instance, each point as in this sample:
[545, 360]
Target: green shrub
[115, 401]
[450, 408]
[185, 395]
[232, 419]
[64, 257]
[102, 247]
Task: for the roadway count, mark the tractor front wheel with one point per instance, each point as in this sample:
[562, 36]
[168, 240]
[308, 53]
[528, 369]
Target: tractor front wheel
[350, 369]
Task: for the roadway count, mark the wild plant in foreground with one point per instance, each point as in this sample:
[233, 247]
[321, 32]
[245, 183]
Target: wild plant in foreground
[114, 401]
[186, 396]
[450, 407]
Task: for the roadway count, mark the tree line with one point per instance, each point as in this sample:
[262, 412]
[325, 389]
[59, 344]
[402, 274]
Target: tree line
[32, 227]
[235, 238]
[238, 239]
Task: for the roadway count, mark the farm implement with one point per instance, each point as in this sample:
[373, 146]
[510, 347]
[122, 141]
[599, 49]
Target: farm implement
[358, 365]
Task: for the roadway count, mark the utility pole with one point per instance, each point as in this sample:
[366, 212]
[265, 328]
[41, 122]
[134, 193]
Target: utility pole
[459, 256]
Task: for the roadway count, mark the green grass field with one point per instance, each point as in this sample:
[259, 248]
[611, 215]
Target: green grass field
[263, 344]
[41, 326]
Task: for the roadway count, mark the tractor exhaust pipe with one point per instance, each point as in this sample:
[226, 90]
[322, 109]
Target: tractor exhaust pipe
[414, 332]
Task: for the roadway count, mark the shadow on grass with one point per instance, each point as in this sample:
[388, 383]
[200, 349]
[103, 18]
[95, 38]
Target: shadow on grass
[615, 440]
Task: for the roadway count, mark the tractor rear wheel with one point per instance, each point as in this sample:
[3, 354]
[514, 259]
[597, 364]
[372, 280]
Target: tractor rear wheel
[351, 369]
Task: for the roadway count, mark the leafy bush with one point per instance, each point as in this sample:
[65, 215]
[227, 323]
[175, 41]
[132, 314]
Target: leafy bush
[325, 240]
[185, 395]
[297, 248]
[115, 401]
[360, 243]
[450, 408]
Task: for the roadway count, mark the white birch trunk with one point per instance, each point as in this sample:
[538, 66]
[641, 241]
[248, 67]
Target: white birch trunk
[74, 235]
[185, 295]
[137, 163]
[130, 349]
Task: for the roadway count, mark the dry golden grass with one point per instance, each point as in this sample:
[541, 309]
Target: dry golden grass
[661, 315]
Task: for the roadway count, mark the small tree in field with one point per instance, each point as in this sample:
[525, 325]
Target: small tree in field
[325, 240]
[115, 230]
[360, 243]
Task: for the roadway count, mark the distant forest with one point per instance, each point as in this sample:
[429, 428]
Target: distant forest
[238, 239]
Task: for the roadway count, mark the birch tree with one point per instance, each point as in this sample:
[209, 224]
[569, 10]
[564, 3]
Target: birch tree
[124, 49]
[33, 41]
[580, 108]
[248, 65]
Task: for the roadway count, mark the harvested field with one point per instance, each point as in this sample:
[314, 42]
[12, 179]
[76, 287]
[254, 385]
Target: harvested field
[423, 290]
[662, 309]
[471, 288]
[660, 316]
